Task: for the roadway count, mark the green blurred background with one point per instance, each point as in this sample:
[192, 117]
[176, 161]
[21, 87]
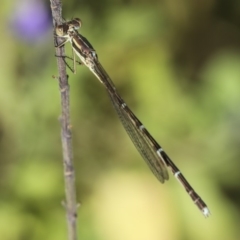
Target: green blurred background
[177, 65]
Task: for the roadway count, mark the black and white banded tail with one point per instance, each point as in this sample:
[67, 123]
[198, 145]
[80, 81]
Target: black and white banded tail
[151, 151]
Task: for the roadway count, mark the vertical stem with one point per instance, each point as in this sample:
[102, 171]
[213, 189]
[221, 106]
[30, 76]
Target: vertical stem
[66, 135]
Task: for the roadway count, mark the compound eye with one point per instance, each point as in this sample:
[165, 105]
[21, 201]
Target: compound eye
[59, 30]
[77, 23]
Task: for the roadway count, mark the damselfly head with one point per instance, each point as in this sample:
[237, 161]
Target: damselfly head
[74, 24]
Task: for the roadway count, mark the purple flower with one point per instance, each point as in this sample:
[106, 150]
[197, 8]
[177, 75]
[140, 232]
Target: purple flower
[30, 20]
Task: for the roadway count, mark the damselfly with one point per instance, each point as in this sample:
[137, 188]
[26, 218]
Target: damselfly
[151, 151]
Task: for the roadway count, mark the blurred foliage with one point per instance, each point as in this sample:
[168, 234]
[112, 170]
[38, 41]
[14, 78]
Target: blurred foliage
[177, 65]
